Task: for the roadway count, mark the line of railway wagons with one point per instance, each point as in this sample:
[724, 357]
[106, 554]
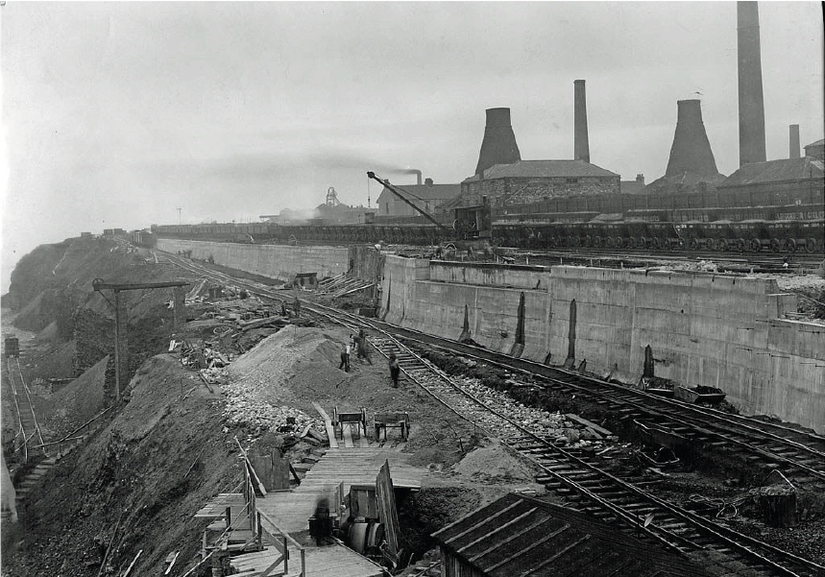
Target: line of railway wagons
[774, 228]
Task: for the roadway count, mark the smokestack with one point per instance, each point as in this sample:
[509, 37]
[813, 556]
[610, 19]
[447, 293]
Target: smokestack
[793, 141]
[751, 101]
[418, 175]
[581, 144]
[499, 144]
[691, 148]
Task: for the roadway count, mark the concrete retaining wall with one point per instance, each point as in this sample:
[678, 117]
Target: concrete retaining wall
[715, 330]
[269, 260]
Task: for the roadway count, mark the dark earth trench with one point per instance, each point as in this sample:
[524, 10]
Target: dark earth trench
[143, 469]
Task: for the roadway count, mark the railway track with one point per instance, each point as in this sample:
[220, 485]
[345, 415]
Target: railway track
[579, 476]
[584, 482]
[800, 454]
[725, 261]
[28, 437]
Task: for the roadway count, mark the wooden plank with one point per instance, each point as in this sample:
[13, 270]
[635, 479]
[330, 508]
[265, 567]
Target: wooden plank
[386, 506]
[333, 443]
[582, 421]
[217, 505]
[281, 467]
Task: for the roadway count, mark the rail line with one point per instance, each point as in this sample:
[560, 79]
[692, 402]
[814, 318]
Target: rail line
[28, 427]
[802, 452]
[576, 475]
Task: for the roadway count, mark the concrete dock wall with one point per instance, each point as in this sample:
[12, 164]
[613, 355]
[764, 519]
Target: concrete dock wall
[715, 330]
[269, 260]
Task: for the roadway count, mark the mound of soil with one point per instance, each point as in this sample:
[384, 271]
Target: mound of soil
[78, 401]
[136, 483]
[493, 463]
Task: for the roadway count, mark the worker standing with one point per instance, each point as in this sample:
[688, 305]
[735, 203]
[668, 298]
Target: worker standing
[345, 351]
[395, 370]
[361, 346]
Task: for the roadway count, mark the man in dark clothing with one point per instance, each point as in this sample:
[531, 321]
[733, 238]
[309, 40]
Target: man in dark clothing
[361, 346]
[395, 370]
[345, 350]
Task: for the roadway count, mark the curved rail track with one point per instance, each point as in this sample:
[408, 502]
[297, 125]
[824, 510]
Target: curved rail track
[580, 476]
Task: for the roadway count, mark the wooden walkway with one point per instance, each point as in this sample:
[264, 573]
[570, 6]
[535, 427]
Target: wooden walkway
[357, 466]
[357, 462]
[326, 561]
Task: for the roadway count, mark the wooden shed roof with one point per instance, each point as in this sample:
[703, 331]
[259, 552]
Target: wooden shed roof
[519, 535]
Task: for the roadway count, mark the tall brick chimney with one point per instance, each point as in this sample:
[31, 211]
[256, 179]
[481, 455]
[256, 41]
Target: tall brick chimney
[691, 148]
[581, 144]
[793, 141]
[499, 144]
[751, 100]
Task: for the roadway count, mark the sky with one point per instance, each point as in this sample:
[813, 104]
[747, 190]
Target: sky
[119, 114]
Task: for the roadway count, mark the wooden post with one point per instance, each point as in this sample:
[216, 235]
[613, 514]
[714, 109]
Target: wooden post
[179, 306]
[118, 338]
[228, 517]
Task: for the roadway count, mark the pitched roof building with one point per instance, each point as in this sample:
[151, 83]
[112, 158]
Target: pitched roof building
[529, 181]
[816, 150]
[428, 197]
[787, 174]
[519, 535]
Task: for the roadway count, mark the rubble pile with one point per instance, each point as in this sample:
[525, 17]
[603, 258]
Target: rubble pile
[565, 430]
[241, 410]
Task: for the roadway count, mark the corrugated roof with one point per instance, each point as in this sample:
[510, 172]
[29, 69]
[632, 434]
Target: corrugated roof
[519, 535]
[545, 169]
[424, 192]
[783, 170]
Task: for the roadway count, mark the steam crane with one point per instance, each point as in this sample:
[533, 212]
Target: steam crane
[397, 192]
[471, 222]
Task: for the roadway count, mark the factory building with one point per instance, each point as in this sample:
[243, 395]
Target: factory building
[529, 181]
[816, 150]
[786, 175]
[428, 197]
[505, 179]
[636, 186]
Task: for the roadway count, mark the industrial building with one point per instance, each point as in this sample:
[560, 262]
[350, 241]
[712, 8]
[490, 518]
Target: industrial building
[427, 196]
[528, 181]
